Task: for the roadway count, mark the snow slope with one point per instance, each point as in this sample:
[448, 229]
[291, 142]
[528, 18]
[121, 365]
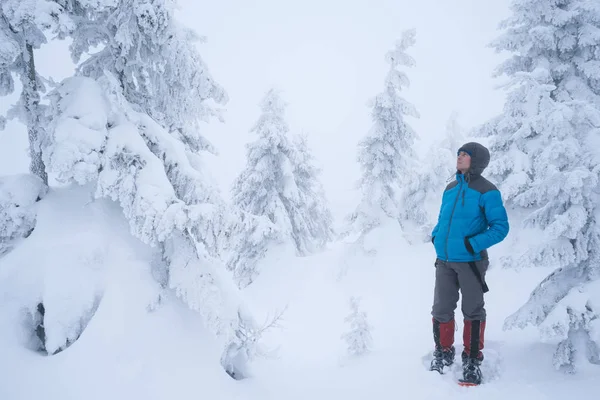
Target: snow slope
[136, 347]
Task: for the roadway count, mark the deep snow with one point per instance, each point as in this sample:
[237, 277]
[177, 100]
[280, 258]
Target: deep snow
[81, 255]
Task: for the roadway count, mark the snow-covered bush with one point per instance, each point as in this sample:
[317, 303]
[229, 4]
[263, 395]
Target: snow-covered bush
[18, 195]
[358, 338]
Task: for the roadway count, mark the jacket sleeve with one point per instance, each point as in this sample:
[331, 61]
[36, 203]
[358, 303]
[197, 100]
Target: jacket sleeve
[497, 218]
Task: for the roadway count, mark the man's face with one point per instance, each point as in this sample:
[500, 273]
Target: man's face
[463, 162]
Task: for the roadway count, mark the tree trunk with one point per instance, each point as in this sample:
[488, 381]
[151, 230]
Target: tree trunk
[31, 102]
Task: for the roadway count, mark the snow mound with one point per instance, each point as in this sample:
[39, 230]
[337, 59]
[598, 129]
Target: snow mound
[59, 275]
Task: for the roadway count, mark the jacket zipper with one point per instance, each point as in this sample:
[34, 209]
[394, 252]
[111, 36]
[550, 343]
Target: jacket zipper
[460, 188]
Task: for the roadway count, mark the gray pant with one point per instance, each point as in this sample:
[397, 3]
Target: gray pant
[449, 278]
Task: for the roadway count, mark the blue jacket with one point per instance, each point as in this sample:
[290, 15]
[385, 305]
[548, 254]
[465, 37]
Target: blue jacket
[472, 216]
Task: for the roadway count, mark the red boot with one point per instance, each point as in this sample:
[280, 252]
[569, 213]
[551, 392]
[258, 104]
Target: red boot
[443, 336]
[473, 339]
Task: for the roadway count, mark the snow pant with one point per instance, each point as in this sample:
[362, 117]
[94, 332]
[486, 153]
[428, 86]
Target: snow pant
[450, 277]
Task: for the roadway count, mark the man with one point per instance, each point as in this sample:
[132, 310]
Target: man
[472, 219]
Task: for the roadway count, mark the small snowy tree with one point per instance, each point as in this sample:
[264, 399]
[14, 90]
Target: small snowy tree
[386, 155]
[280, 183]
[425, 187]
[319, 218]
[547, 163]
[247, 345]
[358, 338]
[23, 24]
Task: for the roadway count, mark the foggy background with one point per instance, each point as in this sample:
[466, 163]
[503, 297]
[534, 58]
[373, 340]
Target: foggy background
[327, 57]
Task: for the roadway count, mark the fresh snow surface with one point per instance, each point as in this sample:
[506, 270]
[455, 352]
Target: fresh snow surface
[81, 256]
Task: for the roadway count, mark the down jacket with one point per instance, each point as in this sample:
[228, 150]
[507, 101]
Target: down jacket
[472, 216]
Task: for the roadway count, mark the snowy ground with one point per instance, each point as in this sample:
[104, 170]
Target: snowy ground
[81, 251]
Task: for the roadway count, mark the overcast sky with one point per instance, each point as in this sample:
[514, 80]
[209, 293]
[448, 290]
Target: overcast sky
[327, 57]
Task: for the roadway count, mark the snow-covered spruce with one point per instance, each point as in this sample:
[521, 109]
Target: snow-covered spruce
[23, 24]
[280, 182]
[546, 161]
[133, 130]
[97, 137]
[386, 155]
[18, 194]
[155, 60]
[358, 338]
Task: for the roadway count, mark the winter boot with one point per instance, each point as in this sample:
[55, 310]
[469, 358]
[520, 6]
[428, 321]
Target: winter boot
[473, 340]
[443, 336]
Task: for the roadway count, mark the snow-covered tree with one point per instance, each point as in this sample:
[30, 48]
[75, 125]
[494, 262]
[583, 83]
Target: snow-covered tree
[128, 126]
[546, 161]
[98, 139]
[319, 218]
[425, 186]
[280, 183]
[358, 338]
[249, 238]
[23, 28]
[154, 60]
[386, 155]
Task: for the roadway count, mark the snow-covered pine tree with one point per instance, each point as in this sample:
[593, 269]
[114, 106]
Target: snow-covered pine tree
[386, 155]
[280, 183]
[358, 338]
[148, 66]
[320, 219]
[546, 160]
[155, 61]
[23, 27]
[425, 187]
[128, 125]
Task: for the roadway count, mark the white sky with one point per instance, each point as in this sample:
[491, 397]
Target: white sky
[327, 56]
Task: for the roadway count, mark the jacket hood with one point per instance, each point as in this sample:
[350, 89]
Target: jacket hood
[480, 157]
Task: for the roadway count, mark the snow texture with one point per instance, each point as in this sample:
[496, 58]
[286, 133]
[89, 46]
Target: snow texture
[139, 330]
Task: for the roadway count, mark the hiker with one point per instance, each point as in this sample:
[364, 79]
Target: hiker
[472, 219]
